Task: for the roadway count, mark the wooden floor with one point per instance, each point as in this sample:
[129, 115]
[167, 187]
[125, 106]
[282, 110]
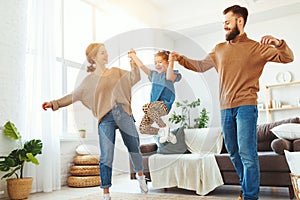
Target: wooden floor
[122, 183]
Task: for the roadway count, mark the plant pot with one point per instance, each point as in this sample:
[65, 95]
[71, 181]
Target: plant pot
[19, 188]
[82, 133]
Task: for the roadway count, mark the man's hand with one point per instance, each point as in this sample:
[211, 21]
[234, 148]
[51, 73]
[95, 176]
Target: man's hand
[174, 56]
[269, 40]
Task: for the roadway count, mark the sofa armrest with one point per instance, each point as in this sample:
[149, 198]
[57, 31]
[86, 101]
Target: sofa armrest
[148, 149]
[296, 145]
[279, 145]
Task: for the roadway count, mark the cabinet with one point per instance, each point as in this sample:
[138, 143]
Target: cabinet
[285, 99]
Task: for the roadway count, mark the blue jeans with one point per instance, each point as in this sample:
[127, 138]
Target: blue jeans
[117, 118]
[239, 132]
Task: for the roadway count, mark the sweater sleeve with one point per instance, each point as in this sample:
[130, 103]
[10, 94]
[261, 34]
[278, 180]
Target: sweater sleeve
[196, 65]
[135, 74]
[280, 54]
[62, 102]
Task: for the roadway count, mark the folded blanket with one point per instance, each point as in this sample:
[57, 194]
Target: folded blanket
[198, 172]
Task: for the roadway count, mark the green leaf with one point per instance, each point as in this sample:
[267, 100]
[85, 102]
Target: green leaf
[33, 159]
[34, 147]
[11, 131]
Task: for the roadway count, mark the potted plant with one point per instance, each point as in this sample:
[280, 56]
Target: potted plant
[13, 164]
[82, 133]
[184, 118]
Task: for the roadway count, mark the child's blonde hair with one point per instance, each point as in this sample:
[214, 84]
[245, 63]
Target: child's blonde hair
[164, 54]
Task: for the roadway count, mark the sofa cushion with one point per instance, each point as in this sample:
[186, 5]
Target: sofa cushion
[168, 148]
[148, 149]
[279, 145]
[204, 140]
[269, 161]
[296, 145]
[290, 131]
[265, 136]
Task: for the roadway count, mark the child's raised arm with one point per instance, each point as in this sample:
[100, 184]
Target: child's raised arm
[171, 76]
[138, 62]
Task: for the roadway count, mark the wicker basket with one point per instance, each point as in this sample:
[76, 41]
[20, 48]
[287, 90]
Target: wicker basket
[86, 160]
[85, 181]
[85, 170]
[296, 182]
[19, 188]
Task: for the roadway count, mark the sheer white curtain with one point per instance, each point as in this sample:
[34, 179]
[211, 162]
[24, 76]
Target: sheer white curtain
[40, 87]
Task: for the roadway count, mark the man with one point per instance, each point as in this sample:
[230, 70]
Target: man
[240, 62]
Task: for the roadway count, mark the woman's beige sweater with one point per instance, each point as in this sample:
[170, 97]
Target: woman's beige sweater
[101, 93]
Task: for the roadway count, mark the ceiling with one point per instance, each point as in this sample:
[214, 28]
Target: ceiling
[194, 16]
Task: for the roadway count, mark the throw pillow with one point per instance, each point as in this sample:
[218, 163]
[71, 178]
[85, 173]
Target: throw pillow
[289, 131]
[293, 160]
[86, 149]
[168, 148]
[204, 140]
[279, 145]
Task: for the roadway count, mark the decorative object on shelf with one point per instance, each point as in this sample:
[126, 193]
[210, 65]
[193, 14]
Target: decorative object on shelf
[276, 104]
[82, 133]
[184, 118]
[13, 164]
[298, 102]
[260, 106]
[284, 77]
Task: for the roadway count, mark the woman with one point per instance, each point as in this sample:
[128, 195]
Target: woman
[107, 93]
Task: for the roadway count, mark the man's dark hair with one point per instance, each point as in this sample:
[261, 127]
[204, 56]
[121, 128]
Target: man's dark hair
[237, 10]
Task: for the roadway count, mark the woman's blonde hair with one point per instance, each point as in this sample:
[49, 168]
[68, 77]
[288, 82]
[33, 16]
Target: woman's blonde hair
[90, 53]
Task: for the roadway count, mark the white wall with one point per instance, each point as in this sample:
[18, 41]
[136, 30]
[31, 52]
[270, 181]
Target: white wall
[12, 57]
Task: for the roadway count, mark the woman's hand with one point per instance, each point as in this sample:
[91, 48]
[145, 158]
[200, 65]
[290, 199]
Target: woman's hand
[131, 53]
[46, 105]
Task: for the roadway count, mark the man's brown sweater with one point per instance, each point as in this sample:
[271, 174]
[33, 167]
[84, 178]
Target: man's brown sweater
[239, 63]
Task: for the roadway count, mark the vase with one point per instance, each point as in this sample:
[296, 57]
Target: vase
[19, 188]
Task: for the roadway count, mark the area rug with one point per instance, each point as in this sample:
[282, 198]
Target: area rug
[131, 196]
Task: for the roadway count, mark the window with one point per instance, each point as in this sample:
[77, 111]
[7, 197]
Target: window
[84, 22]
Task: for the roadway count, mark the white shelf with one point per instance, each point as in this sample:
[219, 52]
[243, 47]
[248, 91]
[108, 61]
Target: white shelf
[268, 108]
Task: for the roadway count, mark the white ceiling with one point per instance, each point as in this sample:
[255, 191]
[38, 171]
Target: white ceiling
[192, 16]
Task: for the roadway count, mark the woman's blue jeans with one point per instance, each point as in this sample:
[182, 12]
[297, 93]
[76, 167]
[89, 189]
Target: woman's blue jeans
[239, 132]
[117, 118]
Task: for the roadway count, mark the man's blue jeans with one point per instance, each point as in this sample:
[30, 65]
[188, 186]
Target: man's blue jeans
[117, 118]
[239, 132]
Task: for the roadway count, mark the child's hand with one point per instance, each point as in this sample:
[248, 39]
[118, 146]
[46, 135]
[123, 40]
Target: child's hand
[171, 58]
[131, 53]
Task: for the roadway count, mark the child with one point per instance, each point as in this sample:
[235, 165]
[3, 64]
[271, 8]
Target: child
[162, 94]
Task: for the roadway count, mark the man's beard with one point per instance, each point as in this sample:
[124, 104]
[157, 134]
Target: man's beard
[233, 33]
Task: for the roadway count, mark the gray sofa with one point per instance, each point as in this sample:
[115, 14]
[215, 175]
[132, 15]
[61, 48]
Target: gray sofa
[273, 165]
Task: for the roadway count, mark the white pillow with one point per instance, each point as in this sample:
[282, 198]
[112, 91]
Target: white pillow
[293, 160]
[204, 140]
[290, 131]
[86, 149]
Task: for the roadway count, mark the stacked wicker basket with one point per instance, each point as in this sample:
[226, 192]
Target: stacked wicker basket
[85, 171]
